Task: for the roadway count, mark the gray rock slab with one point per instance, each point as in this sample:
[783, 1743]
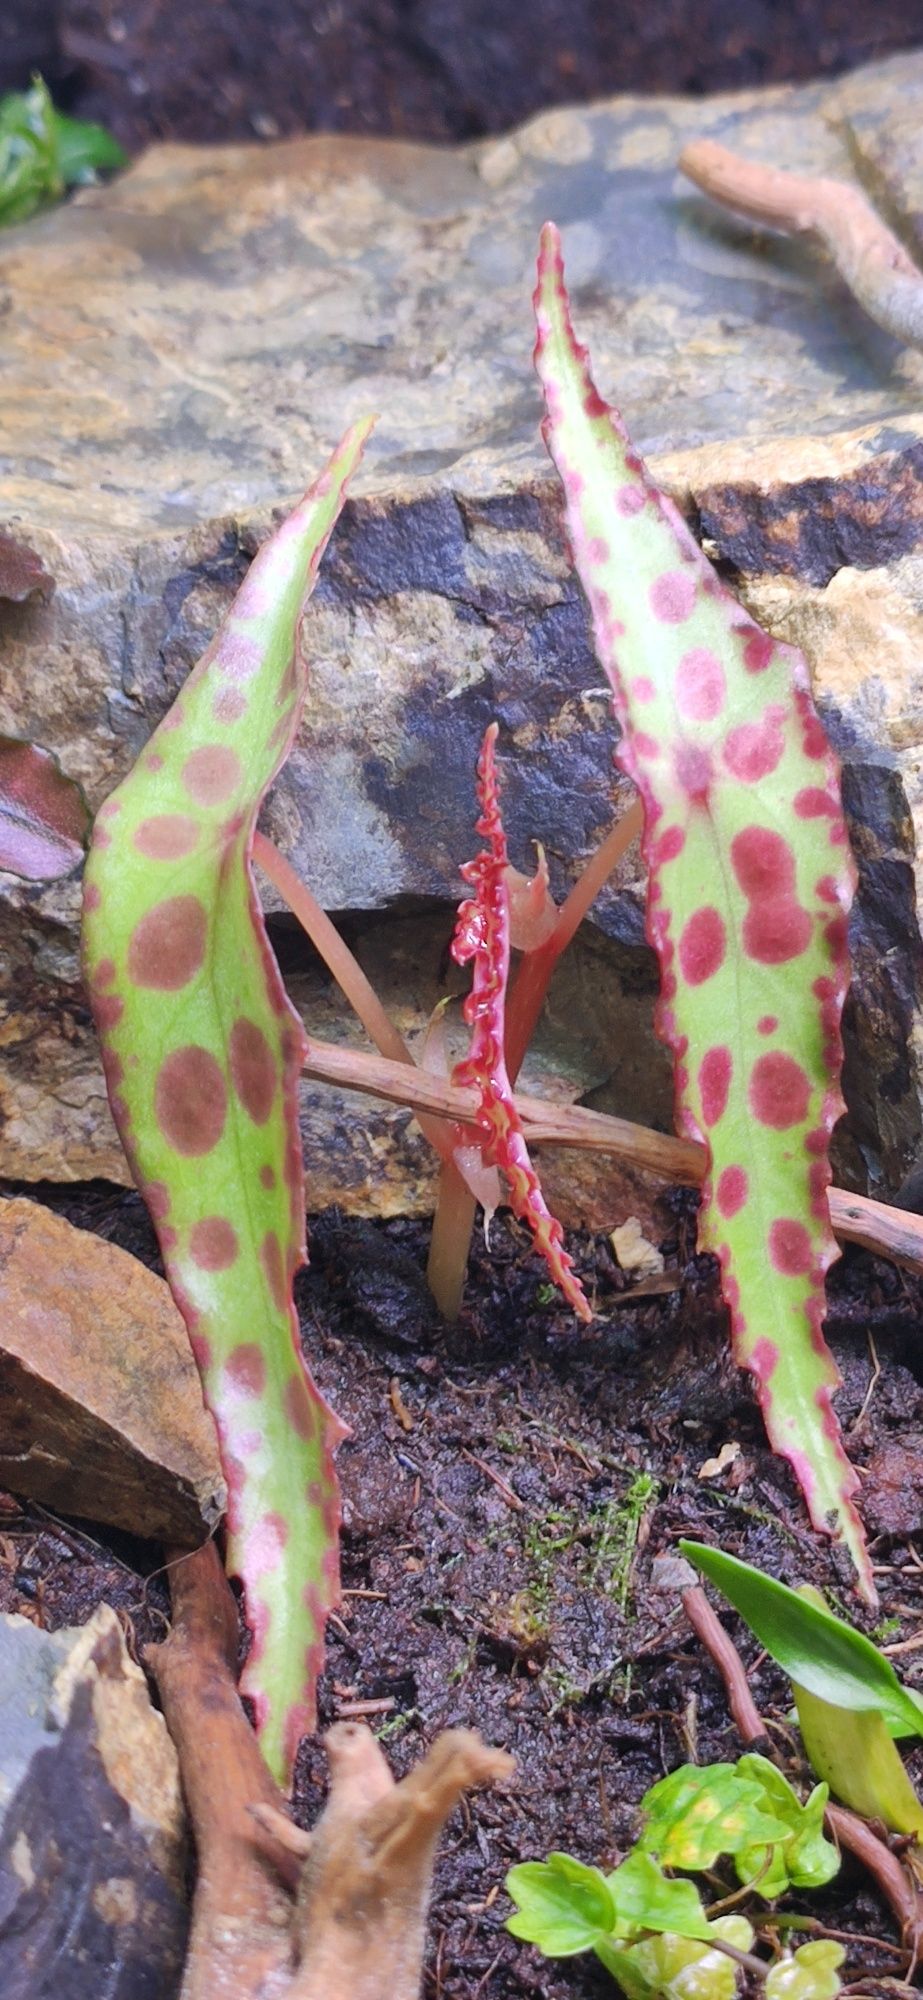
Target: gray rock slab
[182, 348]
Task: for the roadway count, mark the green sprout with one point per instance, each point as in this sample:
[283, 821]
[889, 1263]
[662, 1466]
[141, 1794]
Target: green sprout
[43, 153]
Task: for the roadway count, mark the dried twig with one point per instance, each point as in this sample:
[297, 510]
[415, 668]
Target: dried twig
[708, 1628]
[890, 1232]
[869, 258]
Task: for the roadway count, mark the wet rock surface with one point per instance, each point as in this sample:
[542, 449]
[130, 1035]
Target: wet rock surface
[195, 336]
[92, 1827]
[100, 1404]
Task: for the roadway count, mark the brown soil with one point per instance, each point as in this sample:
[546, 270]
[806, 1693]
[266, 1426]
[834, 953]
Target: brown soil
[524, 1603]
[420, 69]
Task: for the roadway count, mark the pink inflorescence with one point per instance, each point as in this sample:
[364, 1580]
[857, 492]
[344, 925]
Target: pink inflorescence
[482, 937]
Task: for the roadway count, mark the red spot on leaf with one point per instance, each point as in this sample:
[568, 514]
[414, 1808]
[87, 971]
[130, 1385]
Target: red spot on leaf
[229, 705]
[715, 1071]
[669, 845]
[702, 945]
[672, 596]
[108, 1009]
[254, 1069]
[91, 896]
[780, 1091]
[190, 1101]
[767, 1024]
[693, 770]
[630, 499]
[105, 972]
[790, 1248]
[166, 836]
[211, 774]
[642, 688]
[700, 685]
[826, 890]
[754, 749]
[812, 803]
[764, 1360]
[213, 1243]
[776, 931]
[267, 1177]
[271, 1260]
[731, 1191]
[758, 651]
[298, 1406]
[246, 1368]
[167, 947]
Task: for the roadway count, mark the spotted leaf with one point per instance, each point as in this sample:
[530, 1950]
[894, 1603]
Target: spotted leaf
[749, 884]
[202, 1052]
[482, 936]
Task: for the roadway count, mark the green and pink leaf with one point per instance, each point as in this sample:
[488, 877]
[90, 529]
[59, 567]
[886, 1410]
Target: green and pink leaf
[750, 881]
[202, 1052]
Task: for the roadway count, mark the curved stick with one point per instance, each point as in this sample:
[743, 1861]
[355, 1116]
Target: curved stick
[869, 258]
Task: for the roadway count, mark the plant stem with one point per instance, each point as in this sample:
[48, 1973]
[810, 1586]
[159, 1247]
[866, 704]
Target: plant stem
[450, 1242]
[349, 976]
[708, 1628]
[333, 950]
[530, 985]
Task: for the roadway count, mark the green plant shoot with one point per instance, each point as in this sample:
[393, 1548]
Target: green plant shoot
[202, 1052]
[43, 153]
[849, 1700]
[749, 884]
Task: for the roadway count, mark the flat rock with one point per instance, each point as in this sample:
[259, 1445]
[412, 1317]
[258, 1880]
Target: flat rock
[92, 1827]
[102, 1411]
[193, 339]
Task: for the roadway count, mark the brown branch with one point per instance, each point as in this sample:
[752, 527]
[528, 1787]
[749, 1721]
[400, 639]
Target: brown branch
[720, 1646]
[851, 1832]
[240, 1942]
[869, 258]
[889, 1232]
[359, 1925]
[890, 1878]
[355, 1929]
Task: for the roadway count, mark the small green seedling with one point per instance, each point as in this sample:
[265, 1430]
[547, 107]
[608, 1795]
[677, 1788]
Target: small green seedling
[748, 1811]
[43, 153]
[651, 1932]
[850, 1702]
[648, 1927]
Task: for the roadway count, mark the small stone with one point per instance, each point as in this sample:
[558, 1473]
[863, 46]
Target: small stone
[92, 1826]
[671, 1575]
[102, 1411]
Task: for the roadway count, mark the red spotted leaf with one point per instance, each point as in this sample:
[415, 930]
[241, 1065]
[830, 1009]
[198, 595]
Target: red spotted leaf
[749, 885]
[482, 936]
[202, 1052]
[44, 820]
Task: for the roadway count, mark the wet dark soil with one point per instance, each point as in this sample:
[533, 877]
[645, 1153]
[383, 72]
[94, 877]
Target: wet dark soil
[512, 1487]
[417, 69]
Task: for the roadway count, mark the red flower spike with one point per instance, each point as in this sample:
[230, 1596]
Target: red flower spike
[482, 935]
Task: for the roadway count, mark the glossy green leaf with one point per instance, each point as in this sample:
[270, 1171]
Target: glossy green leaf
[202, 1052]
[646, 1899]
[818, 1651]
[805, 1859]
[704, 1810]
[811, 1973]
[853, 1750]
[563, 1906]
[678, 1968]
[42, 152]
